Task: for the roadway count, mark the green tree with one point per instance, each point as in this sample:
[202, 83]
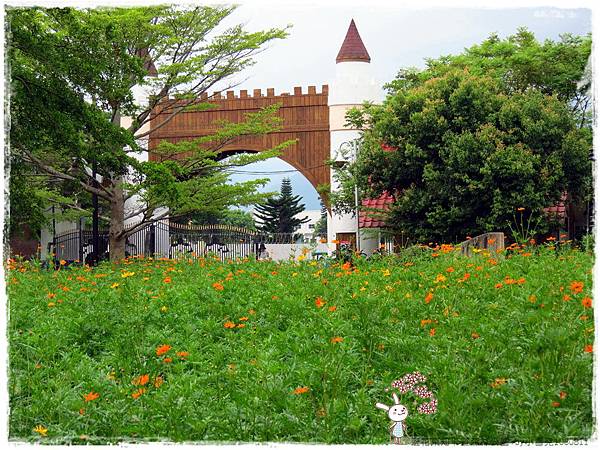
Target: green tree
[520, 62]
[321, 225]
[74, 76]
[278, 215]
[460, 154]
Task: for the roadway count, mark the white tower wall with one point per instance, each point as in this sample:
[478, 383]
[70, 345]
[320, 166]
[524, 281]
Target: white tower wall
[353, 85]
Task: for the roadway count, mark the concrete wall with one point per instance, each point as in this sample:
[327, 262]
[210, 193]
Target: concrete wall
[283, 252]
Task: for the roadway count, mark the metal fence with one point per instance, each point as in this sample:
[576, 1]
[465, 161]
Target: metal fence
[171, 240]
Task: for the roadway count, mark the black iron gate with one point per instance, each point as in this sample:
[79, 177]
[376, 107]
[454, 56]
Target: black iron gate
[169, 240]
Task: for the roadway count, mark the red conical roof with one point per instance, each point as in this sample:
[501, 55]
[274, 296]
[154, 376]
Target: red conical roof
[353, 48]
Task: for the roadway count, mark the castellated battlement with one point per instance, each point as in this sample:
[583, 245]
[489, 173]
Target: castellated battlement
[258, 93]
[255, 99]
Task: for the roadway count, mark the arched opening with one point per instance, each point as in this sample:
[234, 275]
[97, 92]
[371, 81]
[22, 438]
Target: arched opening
[275, 170]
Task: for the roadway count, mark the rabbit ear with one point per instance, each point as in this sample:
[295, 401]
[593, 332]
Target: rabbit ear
[396, 399]
[382, 406]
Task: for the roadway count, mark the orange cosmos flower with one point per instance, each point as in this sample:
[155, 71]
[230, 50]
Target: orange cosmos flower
[51, 295]
[168, 360]
[428, 297]
[162, 349]
[555, 404]
[332, 308]
[141, 380]
[432, 332]
[319, 302]
[336, 340]
[562, 395]
[91, 396]
[475, 335]
[229, 324]
[586, 302]
[498, 285]
[498, 382]
[218, 286]
[347, 265]
[182, 354]
[300, 390]
[167, 280]
[577, 286]
[243, 319]
[450, 269]
[138, 393]
[241, 325]
[566, 297]
[425, 322]
[589, 348]
[158, 381]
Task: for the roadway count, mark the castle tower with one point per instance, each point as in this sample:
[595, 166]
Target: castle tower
[353, 84]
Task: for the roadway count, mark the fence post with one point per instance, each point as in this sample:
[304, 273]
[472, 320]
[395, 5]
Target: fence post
[152, 239]
[80, 242]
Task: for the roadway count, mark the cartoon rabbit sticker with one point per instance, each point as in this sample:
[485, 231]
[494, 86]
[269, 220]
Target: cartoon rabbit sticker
[397, 414]
[411, 384]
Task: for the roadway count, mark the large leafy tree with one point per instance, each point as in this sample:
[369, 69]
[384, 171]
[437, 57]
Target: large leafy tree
[76, 76]
[471, 138]
[279, 214]
[521, 62]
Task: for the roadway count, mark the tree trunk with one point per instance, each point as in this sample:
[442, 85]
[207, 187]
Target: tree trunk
[117, 223]
[116, 237]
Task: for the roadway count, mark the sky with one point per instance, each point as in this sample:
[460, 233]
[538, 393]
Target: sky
[395, 37]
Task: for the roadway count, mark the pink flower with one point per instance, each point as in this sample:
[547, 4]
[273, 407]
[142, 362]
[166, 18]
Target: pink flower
[428, 407]
[422, 391]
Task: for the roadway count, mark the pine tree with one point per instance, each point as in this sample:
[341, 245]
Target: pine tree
[278, 214]
[321, 225]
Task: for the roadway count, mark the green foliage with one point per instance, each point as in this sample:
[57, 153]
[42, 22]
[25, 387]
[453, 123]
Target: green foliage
[237, 384]
[73, 77]
[472, 139]
[321, 225]
[278, 215]
[520, 62]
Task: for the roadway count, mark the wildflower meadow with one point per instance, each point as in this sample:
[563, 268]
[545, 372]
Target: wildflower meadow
[301, 351]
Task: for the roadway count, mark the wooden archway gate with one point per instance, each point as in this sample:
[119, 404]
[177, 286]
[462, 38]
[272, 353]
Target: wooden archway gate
[305, 119]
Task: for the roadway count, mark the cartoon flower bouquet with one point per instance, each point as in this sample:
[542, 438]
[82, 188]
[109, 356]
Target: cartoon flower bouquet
[411, 383]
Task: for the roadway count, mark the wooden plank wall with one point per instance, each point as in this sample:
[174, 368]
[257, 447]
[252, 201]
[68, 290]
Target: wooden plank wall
[305, 118]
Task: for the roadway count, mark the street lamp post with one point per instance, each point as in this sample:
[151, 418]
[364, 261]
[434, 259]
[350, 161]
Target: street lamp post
[350, 148]
[95, 234]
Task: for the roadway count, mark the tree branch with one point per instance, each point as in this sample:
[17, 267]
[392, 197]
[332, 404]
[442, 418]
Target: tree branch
[103, 193]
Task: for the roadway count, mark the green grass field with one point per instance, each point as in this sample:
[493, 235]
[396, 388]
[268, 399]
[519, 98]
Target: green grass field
[201, 350]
